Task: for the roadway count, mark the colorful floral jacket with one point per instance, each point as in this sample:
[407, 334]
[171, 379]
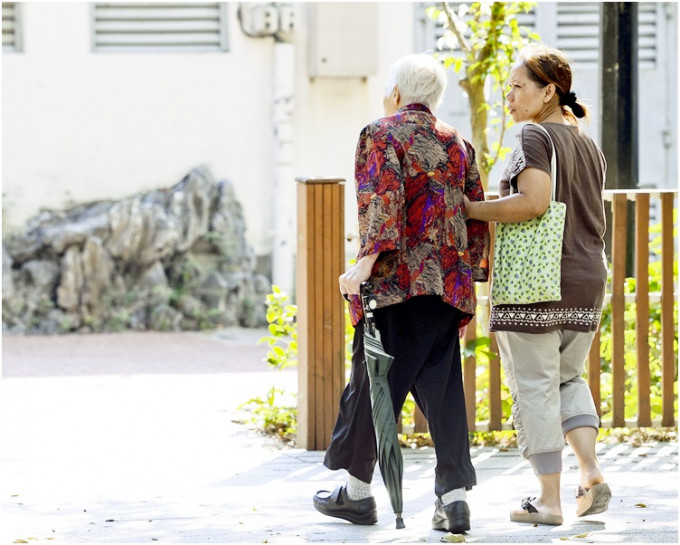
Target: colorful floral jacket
[412, 171]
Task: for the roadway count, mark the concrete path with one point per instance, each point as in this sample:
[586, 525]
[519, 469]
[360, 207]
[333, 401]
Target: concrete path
[134, 438]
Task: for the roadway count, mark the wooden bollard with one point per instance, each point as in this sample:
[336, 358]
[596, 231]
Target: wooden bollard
[321, 313]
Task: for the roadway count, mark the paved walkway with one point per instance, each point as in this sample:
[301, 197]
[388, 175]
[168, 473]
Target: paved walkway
[133, 438]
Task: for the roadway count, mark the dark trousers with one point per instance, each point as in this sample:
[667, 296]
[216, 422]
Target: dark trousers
[422, 335]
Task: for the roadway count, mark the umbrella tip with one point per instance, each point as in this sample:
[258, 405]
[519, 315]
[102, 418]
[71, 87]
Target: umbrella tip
[400, 523]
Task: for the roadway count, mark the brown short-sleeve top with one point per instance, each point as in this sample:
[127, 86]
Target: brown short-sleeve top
[581, 171]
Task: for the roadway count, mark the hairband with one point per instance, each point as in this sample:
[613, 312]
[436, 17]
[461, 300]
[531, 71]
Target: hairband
[568, 99]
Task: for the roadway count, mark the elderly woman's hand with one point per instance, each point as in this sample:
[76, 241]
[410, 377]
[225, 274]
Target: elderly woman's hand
[350, 282]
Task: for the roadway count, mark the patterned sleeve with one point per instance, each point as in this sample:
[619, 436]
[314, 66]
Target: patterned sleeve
[533, 150]
[380, 193]
[478, 231]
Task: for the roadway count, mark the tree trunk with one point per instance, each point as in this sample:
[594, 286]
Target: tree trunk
[478, 120]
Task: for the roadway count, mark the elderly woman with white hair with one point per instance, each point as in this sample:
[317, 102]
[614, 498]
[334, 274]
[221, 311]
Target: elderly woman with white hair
[422, 258]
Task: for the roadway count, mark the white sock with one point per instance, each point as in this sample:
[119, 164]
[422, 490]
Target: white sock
[454, 495]
[358, 490]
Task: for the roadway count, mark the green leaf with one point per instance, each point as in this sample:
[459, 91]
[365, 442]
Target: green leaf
[432, 12]
[474, 345]
[280, 352]
[503, 152]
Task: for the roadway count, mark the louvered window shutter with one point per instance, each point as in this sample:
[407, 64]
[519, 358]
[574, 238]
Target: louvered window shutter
[159, 27]
[647, 34]
[11, 27]
[578, 32]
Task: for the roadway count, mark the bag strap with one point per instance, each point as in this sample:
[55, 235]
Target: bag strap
[553, 161]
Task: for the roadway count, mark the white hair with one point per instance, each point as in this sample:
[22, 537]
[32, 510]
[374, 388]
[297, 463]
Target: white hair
[420, 79]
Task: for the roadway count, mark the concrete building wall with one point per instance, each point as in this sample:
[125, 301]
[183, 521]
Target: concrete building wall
[80, 125]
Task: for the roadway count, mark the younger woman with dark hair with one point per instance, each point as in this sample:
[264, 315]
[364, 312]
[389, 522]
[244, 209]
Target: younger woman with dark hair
[543, 346]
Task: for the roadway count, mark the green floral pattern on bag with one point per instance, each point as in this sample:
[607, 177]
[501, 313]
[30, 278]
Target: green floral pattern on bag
[527, 264]
[528, 259]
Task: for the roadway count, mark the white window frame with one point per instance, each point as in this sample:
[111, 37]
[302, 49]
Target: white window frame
[16, 45]
[127, 43]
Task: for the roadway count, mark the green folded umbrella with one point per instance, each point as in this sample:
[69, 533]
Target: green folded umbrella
[378, 363]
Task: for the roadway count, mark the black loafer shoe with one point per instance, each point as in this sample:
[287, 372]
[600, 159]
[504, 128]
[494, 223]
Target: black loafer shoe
[337, 504]
[453, 517]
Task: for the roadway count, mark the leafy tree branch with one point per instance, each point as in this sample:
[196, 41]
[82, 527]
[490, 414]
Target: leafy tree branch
[488, 36]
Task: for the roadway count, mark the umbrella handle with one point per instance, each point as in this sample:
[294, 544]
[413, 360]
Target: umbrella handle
[369, 304]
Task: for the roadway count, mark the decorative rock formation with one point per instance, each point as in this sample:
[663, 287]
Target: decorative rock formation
[167, 259]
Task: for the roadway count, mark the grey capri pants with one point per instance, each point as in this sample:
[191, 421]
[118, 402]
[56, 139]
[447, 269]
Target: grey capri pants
[543, 372]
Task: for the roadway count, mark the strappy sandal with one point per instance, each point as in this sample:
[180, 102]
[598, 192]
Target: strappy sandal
[593, 500]
[532, 515]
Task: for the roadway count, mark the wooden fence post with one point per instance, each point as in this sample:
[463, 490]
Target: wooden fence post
[619, 224]
[495, 401]
[321, 316]
[668, 355]
[642, 307]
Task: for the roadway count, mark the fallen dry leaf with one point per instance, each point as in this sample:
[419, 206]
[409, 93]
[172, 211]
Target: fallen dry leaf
[640, 505]
[453, 538]
[582, 535]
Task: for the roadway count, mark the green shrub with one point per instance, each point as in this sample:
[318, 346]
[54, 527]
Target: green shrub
[275, 415]
[282, 338]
